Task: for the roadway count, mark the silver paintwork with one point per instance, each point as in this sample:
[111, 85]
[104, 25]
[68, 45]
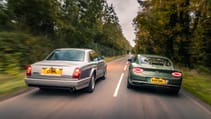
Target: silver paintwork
[88, 68]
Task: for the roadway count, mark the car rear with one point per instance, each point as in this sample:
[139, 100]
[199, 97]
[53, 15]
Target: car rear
[63, 68]
[57, 74]
[144, 74]
[156, 76]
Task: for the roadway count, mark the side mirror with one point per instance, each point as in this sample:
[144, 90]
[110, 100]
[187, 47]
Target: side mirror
[96, 59]
[102, 57]
[129, 60]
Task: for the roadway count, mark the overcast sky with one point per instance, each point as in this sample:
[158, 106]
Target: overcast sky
[126, 11]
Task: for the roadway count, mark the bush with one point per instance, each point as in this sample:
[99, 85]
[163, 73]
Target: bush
[201, 68]
[17, 50]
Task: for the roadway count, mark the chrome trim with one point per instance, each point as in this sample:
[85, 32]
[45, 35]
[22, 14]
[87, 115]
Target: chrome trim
[68, 83]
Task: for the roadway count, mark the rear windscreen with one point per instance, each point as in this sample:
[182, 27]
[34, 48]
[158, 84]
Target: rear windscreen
[154, 61]
[67, 55]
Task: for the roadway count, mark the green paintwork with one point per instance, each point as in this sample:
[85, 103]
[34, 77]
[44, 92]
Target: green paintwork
[158, 67]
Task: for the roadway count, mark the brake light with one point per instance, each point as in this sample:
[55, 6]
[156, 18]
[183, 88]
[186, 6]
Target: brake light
[176, 74]
[76, 73]
[28, 70]
[137, 70]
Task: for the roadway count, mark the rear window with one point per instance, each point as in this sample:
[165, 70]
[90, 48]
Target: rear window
[154, 61]
[67, 55]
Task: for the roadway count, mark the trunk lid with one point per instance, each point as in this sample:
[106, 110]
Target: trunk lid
[51, 69]
[156, 71]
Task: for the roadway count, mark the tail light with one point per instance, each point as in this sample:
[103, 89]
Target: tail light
[28, 70]
[76, 73]
[138, 70]
[176, 74]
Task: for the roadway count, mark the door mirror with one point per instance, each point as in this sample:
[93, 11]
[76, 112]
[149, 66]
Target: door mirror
[102, 57]
[96, 59]
[129, 60]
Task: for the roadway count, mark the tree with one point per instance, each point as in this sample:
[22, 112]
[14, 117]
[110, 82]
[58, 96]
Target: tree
[178, 26]
[5, 21]
[38, 16]
[46, 24]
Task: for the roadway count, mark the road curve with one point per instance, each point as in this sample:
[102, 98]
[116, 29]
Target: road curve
[110, 100]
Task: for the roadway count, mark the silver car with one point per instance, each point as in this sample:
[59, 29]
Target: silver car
[67, 68]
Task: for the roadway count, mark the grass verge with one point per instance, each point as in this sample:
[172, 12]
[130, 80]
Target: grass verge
[10, 84]
[198, 84]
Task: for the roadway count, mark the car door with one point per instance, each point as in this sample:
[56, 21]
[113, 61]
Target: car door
[94, 57]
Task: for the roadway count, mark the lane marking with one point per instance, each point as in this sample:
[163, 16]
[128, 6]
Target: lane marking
[125, 68]
[118, 85]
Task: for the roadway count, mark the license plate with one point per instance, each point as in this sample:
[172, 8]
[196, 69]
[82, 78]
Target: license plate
[51, 71]
[159, 81]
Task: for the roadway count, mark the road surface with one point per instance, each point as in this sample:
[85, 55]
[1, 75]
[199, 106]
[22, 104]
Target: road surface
[110, 100]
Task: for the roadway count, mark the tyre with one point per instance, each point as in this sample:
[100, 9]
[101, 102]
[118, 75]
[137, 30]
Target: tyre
[91, 86]
[175, 91]
[129, 85]
[104, 75]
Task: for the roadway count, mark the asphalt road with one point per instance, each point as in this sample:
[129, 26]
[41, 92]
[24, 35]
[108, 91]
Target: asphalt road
[110, 100]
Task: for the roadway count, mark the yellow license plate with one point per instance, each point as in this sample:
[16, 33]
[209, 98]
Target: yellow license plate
[51, 71]
[159, 81]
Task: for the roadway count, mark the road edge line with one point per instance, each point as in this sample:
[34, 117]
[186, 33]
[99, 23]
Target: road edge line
[186, 94]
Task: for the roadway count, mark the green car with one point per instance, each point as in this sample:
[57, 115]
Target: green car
[154, 71]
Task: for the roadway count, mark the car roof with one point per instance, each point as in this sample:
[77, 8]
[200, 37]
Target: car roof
[155, 56]
[82, 49]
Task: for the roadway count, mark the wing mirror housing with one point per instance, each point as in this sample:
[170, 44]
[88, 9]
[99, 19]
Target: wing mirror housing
[129, 60]
[102, 57]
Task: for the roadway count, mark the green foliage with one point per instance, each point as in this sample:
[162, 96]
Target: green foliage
[202, 69]
[12, 84]
[5, 23]
[55, 24]
[18, 50]
[39, 16]
[177, 29]
[198, 83]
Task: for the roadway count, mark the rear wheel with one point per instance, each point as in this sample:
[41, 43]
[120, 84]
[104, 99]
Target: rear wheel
[175, 91]
[91, 86]
[104, 75]
[129, 85]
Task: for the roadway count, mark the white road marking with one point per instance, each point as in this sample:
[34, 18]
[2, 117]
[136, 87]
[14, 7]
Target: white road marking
[125, 68]
[118, 85]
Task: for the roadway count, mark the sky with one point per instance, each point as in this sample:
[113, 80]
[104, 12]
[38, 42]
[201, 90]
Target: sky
[126, 11]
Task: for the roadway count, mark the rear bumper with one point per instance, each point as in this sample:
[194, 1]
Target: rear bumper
[62, 83]
[147, 84]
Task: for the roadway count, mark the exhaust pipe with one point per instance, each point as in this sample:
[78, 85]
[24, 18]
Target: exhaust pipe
[71, 90]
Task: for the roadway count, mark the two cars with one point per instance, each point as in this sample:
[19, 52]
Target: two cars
[153, 71]
[79, 68]
[69, 68]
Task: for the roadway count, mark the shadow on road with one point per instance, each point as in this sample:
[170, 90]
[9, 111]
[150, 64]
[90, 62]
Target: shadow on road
[53, 92]
[155, 91]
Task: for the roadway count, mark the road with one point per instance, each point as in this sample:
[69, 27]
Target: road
[110, 100]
